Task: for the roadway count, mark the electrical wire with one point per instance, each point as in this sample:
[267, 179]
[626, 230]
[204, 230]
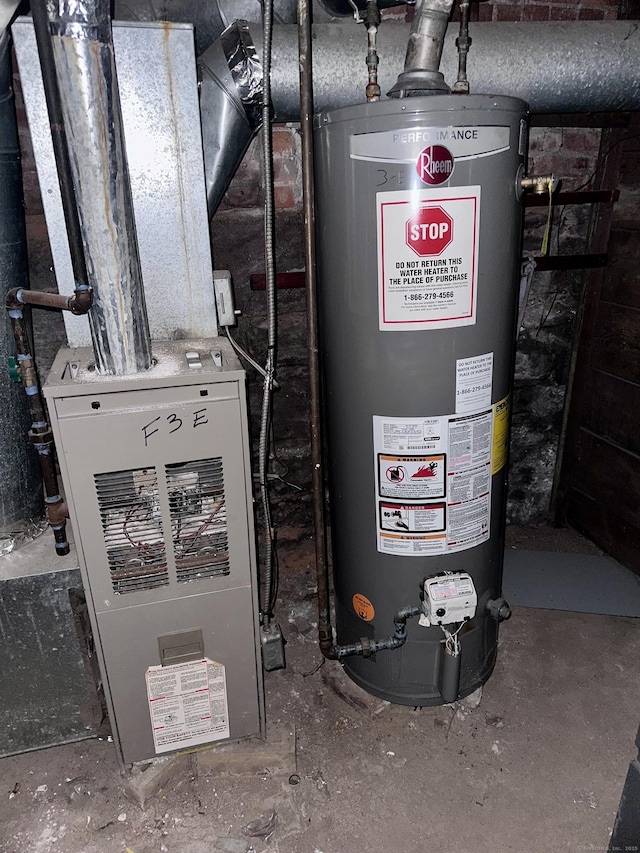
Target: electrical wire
[269, 578]
[244, 354]
[451, 641]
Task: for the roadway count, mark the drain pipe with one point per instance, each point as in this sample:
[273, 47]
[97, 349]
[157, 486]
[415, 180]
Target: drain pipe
[84, 59]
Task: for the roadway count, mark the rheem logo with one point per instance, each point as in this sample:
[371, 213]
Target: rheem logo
[435, 165]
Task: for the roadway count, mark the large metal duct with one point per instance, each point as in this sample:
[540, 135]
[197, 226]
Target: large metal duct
[85, 66]
[590, 66]
[20, 480]
[555, 67]
[209, 19]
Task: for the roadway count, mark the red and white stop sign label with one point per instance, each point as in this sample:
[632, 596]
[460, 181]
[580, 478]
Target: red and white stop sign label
[429, 231]
[435, 165]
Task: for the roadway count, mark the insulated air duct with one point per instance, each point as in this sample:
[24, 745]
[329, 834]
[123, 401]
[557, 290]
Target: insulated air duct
[83, 52]
[555, 67]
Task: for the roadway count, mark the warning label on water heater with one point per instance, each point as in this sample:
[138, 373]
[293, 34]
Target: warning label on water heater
[187, 704]
[433, 482]
[428, 258]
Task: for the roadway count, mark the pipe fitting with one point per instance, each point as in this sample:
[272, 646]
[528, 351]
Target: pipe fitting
[57, 511]
[540, 184]
[498, 609]
[12, 301]
[368, 647]
[82, 301]
[421, 75]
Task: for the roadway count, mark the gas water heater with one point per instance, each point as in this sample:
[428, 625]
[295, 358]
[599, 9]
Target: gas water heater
[419, 218]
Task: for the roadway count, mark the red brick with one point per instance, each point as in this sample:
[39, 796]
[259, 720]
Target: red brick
[591, 14]
[533, 12]
[285, 197]
[585, 140]
[285, 170]
[508, 13]
[563, 13]
[485, 11]
[394, 14]
[545, 140]
[283, 142]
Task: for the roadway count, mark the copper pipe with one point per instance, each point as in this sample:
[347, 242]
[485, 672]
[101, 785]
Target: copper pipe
[78, 303]
[325, 634]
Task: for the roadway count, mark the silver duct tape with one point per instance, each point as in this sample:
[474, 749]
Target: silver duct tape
[246, 69]
[20, 534]
[80, 19]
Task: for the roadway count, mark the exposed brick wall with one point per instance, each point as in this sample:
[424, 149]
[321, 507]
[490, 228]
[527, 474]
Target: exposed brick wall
[246, 189]
[546, 10]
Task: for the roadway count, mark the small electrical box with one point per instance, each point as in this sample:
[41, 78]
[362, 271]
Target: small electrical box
[449, 598]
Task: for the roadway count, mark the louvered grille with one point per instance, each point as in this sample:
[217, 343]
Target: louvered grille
[198, 519]
[130, 513]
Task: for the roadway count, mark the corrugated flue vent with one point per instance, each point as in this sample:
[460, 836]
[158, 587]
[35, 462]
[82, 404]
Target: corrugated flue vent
[198, 519]
[130, 512]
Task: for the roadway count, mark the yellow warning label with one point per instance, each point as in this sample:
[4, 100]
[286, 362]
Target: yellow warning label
[500, 447]
[363, 607]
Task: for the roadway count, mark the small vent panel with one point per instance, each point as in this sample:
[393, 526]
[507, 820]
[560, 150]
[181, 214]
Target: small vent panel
[198, 519]
[130, 513]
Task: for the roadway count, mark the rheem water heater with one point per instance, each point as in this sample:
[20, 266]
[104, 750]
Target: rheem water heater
[419, 218]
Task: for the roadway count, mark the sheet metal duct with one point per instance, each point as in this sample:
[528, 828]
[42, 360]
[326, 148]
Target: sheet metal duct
[85, 66]
[209, 19]
[555, 67]
[590, 66]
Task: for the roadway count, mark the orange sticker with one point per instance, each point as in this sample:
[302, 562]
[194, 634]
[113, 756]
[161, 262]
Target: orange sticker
[363, 607]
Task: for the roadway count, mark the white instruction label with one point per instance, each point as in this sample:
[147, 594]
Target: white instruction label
[428, 258]
[474, 380]
[187, 704]
[437, 501]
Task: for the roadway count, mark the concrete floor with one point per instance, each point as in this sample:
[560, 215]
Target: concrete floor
[539, 766]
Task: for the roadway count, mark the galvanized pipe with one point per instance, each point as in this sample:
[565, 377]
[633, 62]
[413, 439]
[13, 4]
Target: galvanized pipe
[421, 75]
[84, 58]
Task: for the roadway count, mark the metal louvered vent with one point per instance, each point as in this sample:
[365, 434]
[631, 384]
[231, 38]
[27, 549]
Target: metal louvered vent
[198, 519]
[130, 513]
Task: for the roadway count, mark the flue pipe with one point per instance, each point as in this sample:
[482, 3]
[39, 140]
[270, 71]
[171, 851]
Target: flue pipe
[84, 58]
[421, 75]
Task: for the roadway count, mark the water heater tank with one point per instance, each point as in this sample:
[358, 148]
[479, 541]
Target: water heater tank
[419, 219]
